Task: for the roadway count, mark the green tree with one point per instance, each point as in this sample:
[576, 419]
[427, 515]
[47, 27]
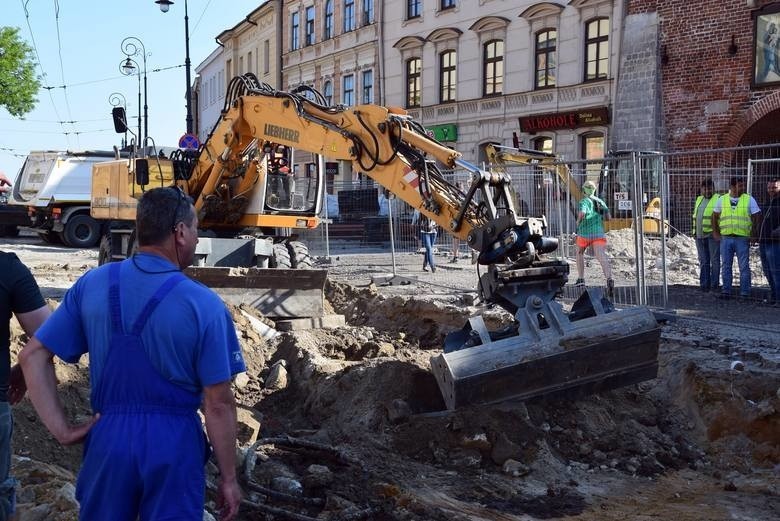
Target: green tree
[18, 83]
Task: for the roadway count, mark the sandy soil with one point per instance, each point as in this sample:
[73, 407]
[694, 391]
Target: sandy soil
[352, 422]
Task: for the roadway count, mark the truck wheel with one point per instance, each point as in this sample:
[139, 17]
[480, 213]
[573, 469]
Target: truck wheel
[299, 255]
[49, 237]
[281, 257]
[81, 231]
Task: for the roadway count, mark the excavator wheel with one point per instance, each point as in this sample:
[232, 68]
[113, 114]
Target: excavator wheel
[281, 257]
[299, 255]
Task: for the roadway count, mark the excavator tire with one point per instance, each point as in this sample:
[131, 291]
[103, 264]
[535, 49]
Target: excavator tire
[281, 257]
[104, 251]
[299, 255]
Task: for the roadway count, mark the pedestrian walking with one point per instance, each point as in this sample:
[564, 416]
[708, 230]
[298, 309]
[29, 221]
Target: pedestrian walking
[591, 214]
[160, 346]
[21, 297]
[769, 240]
[428, 230]
[735, 220]
[707, 247]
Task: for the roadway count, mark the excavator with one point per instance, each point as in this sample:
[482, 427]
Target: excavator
[615, 185]
[247, 212]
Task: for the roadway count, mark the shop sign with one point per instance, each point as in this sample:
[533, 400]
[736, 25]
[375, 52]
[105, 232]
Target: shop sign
[565, 120]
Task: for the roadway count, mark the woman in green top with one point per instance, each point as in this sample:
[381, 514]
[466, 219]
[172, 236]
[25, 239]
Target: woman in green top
[591, 213]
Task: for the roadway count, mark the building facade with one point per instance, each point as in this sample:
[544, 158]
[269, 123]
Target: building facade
[719, 70]
[334, 47]
[539, 75]
[251, 46]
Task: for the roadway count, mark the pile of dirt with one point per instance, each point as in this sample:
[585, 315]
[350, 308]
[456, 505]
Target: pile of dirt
[350, 422]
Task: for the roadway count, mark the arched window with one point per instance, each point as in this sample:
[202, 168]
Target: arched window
[447, 76]
[546, 41]
[413, 83]
[597, 49]
[493, 59]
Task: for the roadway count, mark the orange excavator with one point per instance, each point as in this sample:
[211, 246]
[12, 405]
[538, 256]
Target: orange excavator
[248, 206]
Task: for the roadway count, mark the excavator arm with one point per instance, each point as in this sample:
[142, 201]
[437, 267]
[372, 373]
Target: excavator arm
[383, 143]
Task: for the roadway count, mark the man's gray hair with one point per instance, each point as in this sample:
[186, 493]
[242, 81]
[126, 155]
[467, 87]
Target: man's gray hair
[159, 211]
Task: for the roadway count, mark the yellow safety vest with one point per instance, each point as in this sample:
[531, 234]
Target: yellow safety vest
[706, 219]
[735, 221]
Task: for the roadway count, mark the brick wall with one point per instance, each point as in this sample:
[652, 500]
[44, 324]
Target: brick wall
[707, 98]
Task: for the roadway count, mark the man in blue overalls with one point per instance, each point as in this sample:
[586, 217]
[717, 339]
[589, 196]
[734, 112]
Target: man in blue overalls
[160, 345]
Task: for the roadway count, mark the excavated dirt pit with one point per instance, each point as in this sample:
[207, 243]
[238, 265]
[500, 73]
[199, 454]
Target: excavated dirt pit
[353, 427]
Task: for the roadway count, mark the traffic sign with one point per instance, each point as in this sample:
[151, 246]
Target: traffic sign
[189, 142]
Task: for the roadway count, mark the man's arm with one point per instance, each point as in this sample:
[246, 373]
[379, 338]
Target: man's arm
[715, 221]
[219, 408]
[30, 323]
[38, 366]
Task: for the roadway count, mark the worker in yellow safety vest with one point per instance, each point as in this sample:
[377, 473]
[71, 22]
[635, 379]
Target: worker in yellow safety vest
[735, 218]
[707, 247]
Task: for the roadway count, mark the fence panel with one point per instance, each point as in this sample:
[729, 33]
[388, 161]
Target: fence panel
[649, 238]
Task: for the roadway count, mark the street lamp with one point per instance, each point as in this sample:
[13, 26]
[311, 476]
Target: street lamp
[117, 99]
[165, 5]
[132, 46]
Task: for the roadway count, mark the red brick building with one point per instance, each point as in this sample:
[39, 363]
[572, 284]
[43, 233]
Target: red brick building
[719, 71]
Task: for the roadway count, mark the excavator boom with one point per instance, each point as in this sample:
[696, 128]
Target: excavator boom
[230, 178]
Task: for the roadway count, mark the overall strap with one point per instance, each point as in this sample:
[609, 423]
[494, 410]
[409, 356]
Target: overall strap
[160, 294]
[114, 302]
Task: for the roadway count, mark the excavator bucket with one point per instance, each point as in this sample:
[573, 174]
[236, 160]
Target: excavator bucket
[547, 351]
[277, 293]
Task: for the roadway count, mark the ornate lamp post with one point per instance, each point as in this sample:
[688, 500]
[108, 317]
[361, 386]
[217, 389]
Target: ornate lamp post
[117, 99]
[165, 5]
[132, 46]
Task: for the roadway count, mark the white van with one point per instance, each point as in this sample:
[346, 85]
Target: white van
[55, 187]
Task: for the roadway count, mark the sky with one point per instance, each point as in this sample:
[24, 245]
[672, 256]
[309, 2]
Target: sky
[85, 56]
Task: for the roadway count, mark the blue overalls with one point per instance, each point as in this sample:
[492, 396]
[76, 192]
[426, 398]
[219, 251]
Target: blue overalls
[145, 456]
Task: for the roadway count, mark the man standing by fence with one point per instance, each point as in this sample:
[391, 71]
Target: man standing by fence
[769, 240]
[734, 222]
[707, 246]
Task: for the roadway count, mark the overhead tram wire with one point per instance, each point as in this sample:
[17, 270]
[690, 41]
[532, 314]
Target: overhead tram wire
[62, 66]
[40, 66]
[112, 78]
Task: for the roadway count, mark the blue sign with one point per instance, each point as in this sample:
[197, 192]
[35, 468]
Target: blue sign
[189, 142]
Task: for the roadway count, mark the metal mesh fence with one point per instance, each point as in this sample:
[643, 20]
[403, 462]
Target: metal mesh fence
[650, 196]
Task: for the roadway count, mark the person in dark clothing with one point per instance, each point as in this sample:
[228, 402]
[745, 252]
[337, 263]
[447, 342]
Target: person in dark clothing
[769, 240]
[21, 297]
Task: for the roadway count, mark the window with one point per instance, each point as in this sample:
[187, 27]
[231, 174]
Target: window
[447, 4]
[368, 12]
[592, 147]
[349, 15]
[249, 63]
[368, 87]
[494, 68]
[413, 69]
[328, 32]
[310, 25]
[543, 144]
[447, 76]
[545, 58]
[597, 49]
[413, 8]
[266, 56]
[348, 92]
[294, 26]
[327, 92]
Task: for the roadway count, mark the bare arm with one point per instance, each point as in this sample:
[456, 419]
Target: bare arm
[715, 220]
[30, 322]
[219, 408]
[38, 366]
